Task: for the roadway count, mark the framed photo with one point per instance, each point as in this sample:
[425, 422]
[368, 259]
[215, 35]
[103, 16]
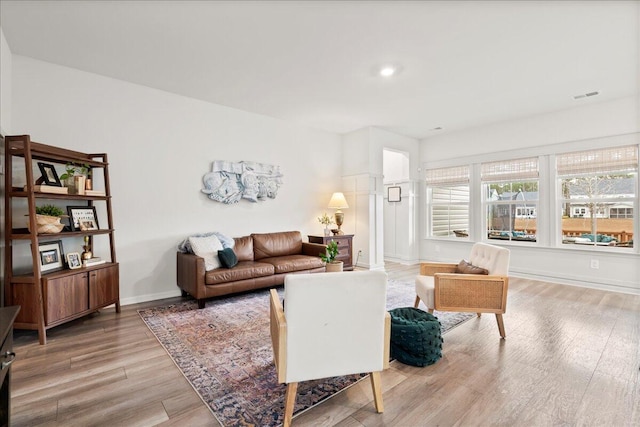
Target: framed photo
[51, 255]
[73, 260]
[393, 194]
[49, 174]
[83, 218]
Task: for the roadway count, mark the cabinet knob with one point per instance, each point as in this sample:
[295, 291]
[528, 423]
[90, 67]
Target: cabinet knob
[8, 355]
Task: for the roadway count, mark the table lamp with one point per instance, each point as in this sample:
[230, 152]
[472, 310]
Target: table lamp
[338, 202]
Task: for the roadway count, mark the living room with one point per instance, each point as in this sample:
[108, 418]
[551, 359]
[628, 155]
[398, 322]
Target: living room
[161, 141]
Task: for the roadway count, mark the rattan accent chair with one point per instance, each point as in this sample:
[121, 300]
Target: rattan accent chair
[442, 289]
[332, 324]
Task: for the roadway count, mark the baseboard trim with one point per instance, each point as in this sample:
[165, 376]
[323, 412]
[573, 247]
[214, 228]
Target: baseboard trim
[581, 282]
[150, 297]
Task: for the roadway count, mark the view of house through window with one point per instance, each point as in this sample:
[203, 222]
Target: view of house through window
[598, 196]
[510, 195]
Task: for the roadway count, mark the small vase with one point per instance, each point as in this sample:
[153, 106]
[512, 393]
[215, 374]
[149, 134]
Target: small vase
[327, 232]
[78, 183]
[70, 184]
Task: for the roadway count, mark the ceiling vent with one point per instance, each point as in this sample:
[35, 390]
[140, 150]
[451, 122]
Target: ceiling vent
[586, 95]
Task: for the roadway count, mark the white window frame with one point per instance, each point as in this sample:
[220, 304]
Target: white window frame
[598, 161]
[525, 169]
[457, 176]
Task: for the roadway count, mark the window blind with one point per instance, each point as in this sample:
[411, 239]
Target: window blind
[452, 175]
[615, 159]
[510, 170]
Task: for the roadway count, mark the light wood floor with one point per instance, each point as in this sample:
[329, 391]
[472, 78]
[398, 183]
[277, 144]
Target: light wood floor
[571, 357]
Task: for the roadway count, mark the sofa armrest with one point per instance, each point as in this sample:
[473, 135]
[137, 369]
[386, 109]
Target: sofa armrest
[313, 249]
[431, 268]
[190, 274]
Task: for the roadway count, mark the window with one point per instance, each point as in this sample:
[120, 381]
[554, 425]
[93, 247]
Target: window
[621, 213]
[510, 198]
[598, 191]
[448, 201]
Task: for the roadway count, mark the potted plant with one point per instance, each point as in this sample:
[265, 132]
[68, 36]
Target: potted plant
[48, 219]
[329, 257]
[326, 221]
[73, 170]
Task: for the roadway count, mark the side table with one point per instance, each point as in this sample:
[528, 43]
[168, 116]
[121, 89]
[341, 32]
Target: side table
[345, 247]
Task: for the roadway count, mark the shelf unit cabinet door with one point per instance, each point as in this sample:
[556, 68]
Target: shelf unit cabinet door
[65, 296]
[103, 287]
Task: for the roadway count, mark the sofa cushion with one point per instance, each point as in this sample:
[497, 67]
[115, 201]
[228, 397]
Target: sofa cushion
[185, 246]
[465, 267]
[207, 248]
[291, 263]
[227, 258]
[243, 248]
[242, 271]
[276, 244]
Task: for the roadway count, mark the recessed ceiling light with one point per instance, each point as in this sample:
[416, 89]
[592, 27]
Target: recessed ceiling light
[387, 71]
[585, 95]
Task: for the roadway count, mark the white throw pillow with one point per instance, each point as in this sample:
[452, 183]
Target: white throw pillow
[207, 248]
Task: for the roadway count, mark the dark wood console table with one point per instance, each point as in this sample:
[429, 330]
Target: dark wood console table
[345, 247]
[7, 317]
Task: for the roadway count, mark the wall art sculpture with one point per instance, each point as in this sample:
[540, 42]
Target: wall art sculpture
[228, 182]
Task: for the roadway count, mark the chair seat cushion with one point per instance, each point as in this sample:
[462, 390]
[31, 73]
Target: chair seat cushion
[416, 336]
[425, 290]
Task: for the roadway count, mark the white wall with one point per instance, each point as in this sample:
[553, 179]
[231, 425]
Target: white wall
[583, 127]
[363, 168]
[5, 85]
[160, 145]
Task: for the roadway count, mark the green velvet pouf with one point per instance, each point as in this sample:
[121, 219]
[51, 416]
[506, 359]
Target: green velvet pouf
[416, 336]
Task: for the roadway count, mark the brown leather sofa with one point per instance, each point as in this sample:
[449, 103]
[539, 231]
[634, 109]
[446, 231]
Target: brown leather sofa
[263, 261]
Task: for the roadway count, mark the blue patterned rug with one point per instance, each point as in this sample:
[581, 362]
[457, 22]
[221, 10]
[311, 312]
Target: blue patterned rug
[224, 351]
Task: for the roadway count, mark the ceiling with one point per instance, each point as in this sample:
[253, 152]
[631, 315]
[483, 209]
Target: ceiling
[462, 64]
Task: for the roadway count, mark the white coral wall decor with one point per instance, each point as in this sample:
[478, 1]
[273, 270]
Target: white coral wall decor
[228, 182]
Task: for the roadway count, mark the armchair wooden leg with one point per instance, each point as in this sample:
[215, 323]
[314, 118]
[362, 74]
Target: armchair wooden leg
[377, 391]
[289, 403]
[479, 314]
[500, 325]
[430, 310]
[417, 303]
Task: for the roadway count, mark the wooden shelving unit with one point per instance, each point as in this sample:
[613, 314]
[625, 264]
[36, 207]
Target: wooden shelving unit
[50, 298]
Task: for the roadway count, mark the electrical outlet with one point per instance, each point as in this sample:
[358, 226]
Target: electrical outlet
[595, 264]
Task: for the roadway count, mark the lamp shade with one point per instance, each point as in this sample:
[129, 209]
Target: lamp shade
[338, 201]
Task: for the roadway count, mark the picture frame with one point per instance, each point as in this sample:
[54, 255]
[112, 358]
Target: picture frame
[73, 260]
[83, 218]
[394, 194]
[49, 174]
[51, 255]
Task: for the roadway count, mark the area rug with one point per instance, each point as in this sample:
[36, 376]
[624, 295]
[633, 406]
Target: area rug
[224, 351]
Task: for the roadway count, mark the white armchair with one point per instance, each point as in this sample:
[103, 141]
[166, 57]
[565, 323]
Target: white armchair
[441, 288]
[332, 324]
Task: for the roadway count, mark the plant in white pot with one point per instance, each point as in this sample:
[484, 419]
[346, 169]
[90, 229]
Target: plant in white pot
[329, 257]
[48, 219]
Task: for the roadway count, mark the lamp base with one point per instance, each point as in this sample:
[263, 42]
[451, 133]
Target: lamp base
[339, 221]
